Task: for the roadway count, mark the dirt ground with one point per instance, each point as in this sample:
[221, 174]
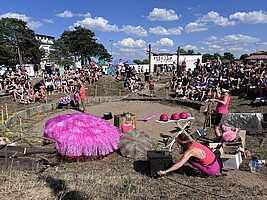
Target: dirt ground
[116, 177]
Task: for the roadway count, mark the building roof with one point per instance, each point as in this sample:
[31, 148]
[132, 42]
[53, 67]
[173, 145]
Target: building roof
[257, 57]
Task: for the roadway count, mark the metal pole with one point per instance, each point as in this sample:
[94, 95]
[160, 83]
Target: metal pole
[150, 59]
[178, 55]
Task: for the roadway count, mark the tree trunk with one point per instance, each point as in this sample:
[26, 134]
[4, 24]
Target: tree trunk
[20, 56]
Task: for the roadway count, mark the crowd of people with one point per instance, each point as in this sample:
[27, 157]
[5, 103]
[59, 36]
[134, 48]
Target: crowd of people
[204, 81]
[18, 83]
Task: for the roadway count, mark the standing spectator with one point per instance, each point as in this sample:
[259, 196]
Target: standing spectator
[221, 109]
[152, 82]
[82, 93]
[35, 69]
[146, 75]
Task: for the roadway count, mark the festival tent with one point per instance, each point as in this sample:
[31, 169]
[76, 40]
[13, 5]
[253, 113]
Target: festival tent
[82, 134]
[102, 63]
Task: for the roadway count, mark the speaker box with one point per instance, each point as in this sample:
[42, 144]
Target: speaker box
[158, 160]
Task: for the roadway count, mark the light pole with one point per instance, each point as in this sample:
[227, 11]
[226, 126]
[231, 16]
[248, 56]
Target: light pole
[257, 44]
[111, 43]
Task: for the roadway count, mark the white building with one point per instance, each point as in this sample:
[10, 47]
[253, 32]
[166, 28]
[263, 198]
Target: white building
[170, 59]
[46, 43]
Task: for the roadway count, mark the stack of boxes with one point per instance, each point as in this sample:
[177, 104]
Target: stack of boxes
[231, 152]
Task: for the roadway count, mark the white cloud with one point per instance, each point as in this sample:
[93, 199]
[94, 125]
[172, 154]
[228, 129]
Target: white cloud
[16, 15]
[215, 47]
[66, 14]
[238, 38]
[159, 30]
[97, 23]
[34, 25]
[212, 38]
[49, 21]
[159, 14]
[31, 24]
[84, 15]
[196, 27]
[129, 42]
[165, 42]
[190, 47]
[135, 30]
[69, 14]
[216, 19]
[254, 17]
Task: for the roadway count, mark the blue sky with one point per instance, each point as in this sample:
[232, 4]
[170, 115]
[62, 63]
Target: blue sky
[127, 27]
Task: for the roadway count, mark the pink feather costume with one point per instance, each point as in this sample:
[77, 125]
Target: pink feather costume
[81, 134]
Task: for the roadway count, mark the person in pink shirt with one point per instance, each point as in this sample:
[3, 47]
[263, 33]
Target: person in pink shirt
[82, 93]
[128, 124]
[221, 109]
[197, 155]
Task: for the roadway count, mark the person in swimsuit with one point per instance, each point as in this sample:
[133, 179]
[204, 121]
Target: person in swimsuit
[197, 155]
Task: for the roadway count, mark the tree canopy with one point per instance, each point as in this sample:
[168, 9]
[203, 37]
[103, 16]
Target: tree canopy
[79, 43]
[18, 43]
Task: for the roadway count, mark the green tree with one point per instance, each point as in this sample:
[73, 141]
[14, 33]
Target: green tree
[206, 57]
[216, 55]
[182, 51]
[82, 44]
[191, 52]
[18, 43]
[145, 61]
[243, 56]
[102, 52]
[60, 53]
[229, 56]
[139, 62]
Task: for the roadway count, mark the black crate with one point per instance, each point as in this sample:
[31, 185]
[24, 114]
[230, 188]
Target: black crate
[158, 160]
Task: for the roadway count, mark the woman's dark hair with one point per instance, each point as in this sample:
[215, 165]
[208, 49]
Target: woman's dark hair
[185, 145]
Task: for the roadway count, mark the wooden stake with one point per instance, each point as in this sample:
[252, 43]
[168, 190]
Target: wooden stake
[6, 112]
[2, 114]
[20, 125]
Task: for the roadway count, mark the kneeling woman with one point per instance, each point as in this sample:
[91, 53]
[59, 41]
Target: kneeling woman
[197, 155]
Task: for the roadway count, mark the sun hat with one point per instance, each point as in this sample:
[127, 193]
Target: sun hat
[183, 115]
[175, 116]
[164, 117]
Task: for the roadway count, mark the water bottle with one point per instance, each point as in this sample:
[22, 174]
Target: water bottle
[257, 164]
[253, 164]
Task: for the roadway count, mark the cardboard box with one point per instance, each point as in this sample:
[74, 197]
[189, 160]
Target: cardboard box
[230, 156]
[231, 161]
